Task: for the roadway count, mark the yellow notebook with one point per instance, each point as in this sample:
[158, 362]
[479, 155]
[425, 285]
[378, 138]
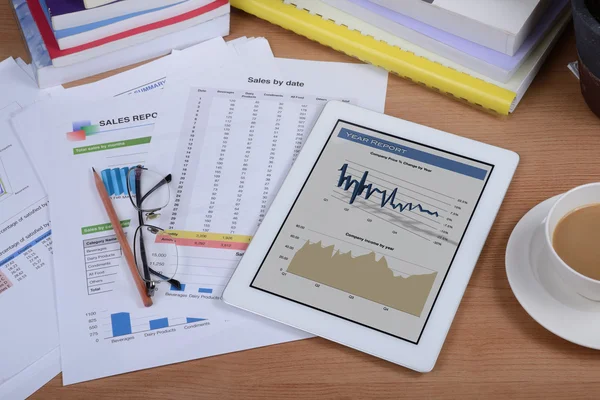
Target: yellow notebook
[366, 48]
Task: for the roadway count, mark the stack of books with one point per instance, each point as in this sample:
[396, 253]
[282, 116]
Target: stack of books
[74, 39]
[484, 51]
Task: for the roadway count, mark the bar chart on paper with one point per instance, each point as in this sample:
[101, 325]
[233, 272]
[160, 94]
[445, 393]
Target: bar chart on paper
[115, 180]
[106, 325]
[182, 288]
[204, 275]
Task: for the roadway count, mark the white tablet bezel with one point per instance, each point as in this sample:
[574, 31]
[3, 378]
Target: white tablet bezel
[422, 356]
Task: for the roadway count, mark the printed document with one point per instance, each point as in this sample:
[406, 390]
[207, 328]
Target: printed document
[26, 289]
[27, 307]
[100, 311]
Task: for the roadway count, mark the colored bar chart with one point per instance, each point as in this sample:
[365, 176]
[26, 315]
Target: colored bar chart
[210, 240]
[200, 290]
[121, 324]
[159, 323]
[191, 320]
[115, 180]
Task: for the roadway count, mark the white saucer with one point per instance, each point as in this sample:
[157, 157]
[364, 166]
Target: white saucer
[540, 290]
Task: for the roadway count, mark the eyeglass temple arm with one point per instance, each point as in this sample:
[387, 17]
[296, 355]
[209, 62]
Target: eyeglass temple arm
[164, 181]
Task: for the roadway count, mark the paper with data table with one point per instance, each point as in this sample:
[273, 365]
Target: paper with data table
[237, 139]
[105, 328]
[25, 259]
[31, 329]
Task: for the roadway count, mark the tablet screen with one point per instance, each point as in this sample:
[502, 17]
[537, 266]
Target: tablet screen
[374, 231]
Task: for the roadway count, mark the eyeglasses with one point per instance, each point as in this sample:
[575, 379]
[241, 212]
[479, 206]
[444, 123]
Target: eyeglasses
[154, 249]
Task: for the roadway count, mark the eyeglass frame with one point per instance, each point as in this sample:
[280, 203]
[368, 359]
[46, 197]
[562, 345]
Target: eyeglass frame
[150, 284]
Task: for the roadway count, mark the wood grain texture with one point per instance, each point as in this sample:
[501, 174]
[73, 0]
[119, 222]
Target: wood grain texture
[494, 349]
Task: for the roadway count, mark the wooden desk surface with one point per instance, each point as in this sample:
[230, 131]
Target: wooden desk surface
[494, 349]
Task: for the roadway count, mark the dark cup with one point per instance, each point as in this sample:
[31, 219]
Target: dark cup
[586, 16]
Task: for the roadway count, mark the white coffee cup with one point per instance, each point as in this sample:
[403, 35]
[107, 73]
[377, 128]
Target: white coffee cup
[575, 198]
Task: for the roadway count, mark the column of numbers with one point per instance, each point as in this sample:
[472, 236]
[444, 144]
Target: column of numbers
[184, 170]
[47, 242]
[218, 172]
[264, 205]
[300, 130]
[34, 259]
[15, 270]
[245, 164]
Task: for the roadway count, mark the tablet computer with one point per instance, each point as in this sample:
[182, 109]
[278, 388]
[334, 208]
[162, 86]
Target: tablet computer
[374, 234]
